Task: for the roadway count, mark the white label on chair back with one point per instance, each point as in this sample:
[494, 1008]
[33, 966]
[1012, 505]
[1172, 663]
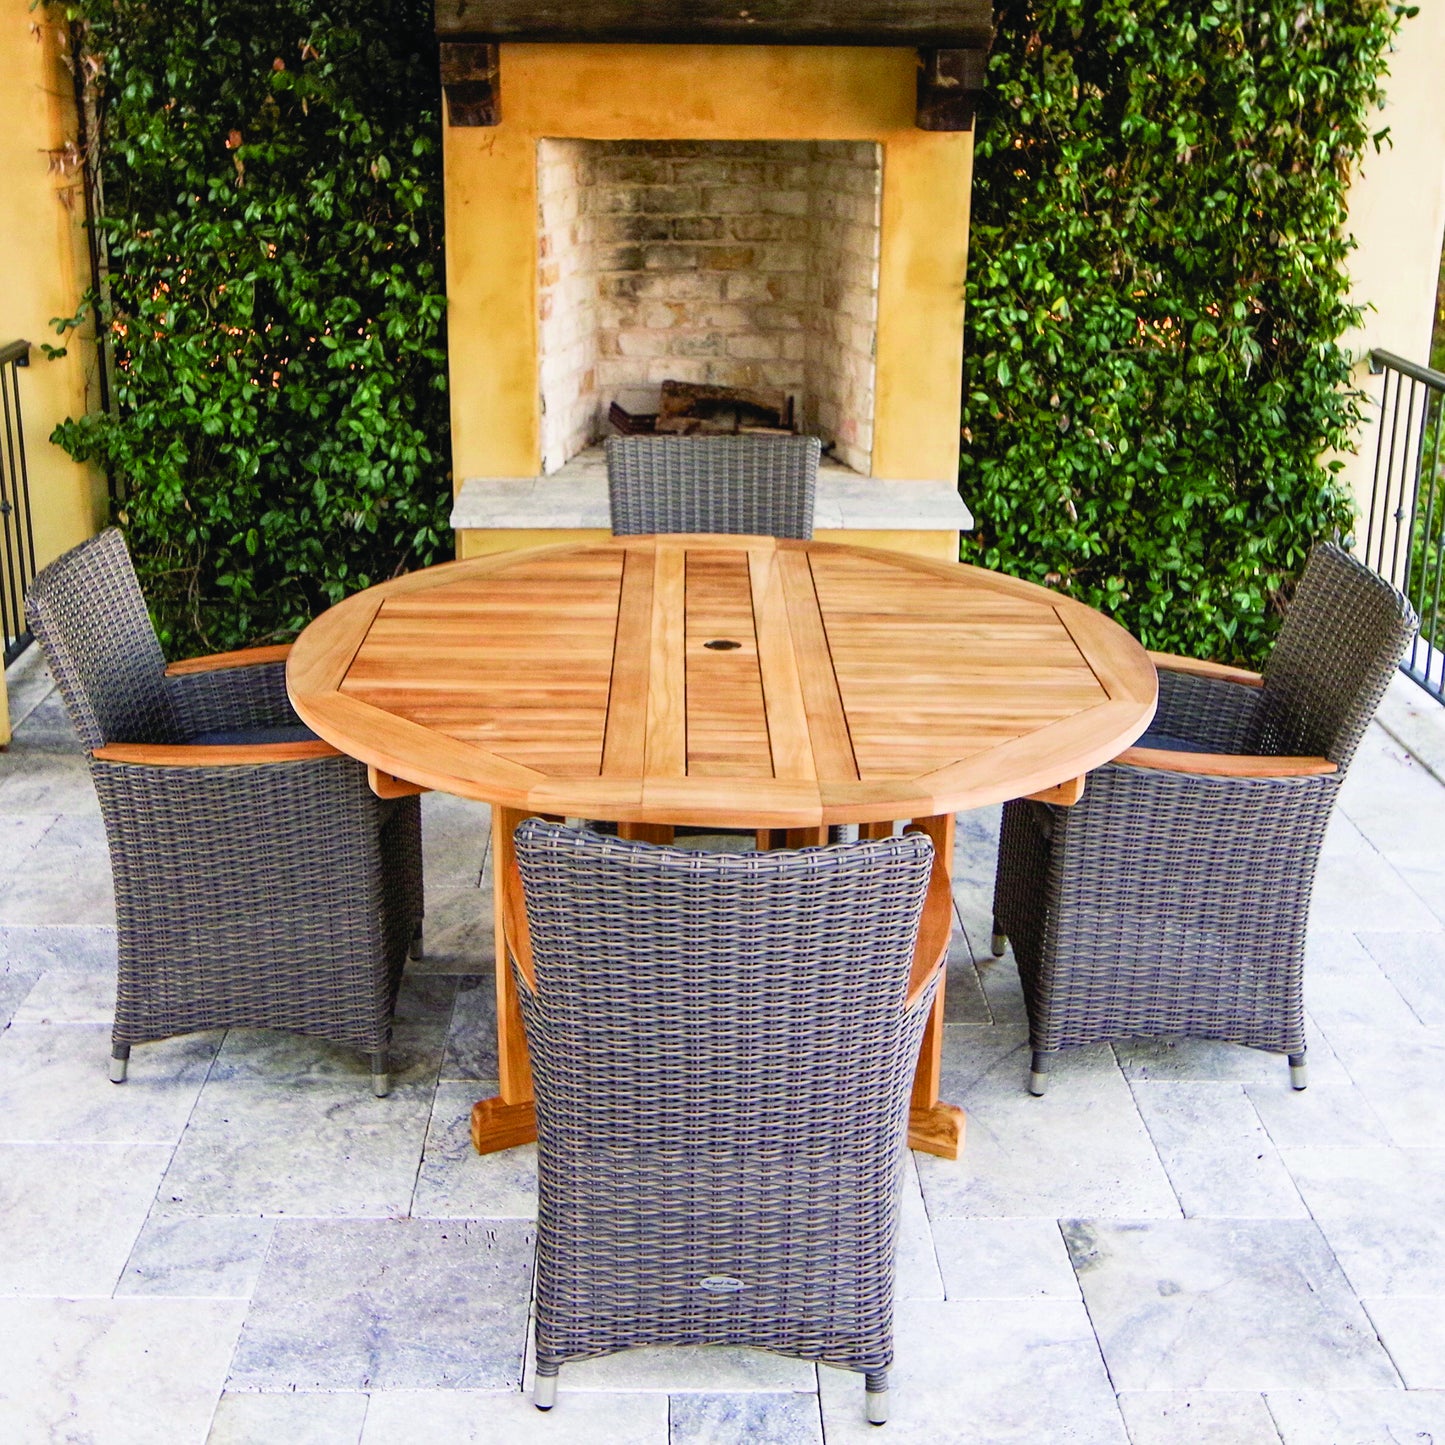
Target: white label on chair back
[720, 1284]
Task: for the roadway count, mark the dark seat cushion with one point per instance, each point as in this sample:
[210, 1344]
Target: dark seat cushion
[254, 737]
[1167, 742]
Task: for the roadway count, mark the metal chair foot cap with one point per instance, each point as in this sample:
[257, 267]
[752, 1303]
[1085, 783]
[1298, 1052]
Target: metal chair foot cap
[877, 1407]
[1299, 1076]
[416, 949]
[998, 943]
[1038, 1084]
[117, 1070]
[544, 1395]
[381, 1085]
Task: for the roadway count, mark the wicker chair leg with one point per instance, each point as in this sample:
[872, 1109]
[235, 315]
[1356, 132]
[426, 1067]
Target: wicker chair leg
[119, 1062]
[1039, 1072]
[877, 1396]
[999, 941]
[544, 1393]
[417, 947]
[1299, 1073]
[380, 1074]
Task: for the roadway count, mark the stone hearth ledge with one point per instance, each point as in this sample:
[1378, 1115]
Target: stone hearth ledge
[575, 497]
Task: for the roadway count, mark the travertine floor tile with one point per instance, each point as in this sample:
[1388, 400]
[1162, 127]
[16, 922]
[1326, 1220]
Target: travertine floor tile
[983, 1372]
[209, 1257]
[1358, 1417]
[1415, 964]
[1412, 1329]
[1004, 1259]
[1402, 1074]
[142, 1371]
[71, 1213]
[455, 1182]
[288, 1418]
[1208, 1304]
[388, 1304]
[1197, 1417]
[792, 1419]
[469, 1417]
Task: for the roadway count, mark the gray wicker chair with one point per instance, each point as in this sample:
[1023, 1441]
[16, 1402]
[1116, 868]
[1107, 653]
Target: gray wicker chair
[722, 1046]
[760, 485]
[258, 881]
[1173, 898]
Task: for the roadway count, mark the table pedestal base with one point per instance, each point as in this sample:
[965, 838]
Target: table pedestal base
[934, 1129]
[497, 1125]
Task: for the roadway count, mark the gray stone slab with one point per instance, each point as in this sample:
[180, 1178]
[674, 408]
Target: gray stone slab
[1402, 1074]
[1345, 987]
[210, 1257]
[388, 1304]
[1208, 1304]
[289, 1418]
[1412, 1329]
[1415, 964]
[455, 1182]
[454, 834]
[1081, 1149]
[70, 996]
[1219, 1158]
[64, 878]
[308, 1147]
[85, 948]
[145, 1372]
[471, 1051]
[1003, 1259]
[1392, 797]
[458, 931]
[1197, 1417]
[964, 1001]
[1382, 1211]
[1425, 873]
[1366, 893]
[1331, 1113]
[685, 1369]
[41, 782]
[55, 1085]
[982, 1373]
[46, 728]
[1208, 1061]
[27, 682]
[469, 1417]
[917, 1275]
[791, 1419]
[1358, 1417]
[71, 1213]
[15, 988]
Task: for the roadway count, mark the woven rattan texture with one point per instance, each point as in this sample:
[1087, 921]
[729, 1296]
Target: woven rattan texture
[722, 1060]
[281, 895]
[1171, 904]
[102, 648]
[759, 485]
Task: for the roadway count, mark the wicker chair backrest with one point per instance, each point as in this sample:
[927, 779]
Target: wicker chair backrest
[760, 485]
[1343, 636]
[89, 617]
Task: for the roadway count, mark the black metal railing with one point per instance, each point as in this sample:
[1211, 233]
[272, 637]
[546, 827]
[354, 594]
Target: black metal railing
[1405, 530]
[17, 533]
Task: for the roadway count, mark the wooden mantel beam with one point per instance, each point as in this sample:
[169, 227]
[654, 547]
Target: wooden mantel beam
[472, 82]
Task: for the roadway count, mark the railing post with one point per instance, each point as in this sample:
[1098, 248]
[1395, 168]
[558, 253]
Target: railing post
[17, 532]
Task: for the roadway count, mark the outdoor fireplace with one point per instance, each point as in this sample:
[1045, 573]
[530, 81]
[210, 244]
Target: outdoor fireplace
[636, 199]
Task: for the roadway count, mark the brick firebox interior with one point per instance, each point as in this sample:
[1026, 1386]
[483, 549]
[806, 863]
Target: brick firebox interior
[737, 263]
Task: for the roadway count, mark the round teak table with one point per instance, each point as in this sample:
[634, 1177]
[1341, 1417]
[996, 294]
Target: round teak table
[718, 680]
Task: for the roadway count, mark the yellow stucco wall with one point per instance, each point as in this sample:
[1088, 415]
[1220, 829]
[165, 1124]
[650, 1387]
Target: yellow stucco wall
[636, 92]
[43, 271]
[1397, 217]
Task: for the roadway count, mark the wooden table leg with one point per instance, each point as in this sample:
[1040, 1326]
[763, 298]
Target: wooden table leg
[933, 1126]
[510, 1118]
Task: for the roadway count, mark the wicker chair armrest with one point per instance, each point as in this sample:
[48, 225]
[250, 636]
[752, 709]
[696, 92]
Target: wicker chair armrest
[250, 694]
[225, 661]
[192, 755]
[1225, 765]
[1197, 667]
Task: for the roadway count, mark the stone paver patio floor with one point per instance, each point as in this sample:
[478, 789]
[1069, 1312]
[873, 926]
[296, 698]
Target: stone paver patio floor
[1171, 1248]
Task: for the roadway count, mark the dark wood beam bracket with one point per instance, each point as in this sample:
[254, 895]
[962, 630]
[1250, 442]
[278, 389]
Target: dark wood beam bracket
[949, 85]
[472, 82]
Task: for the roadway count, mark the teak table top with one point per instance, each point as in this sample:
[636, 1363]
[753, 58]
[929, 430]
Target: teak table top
[855, 685]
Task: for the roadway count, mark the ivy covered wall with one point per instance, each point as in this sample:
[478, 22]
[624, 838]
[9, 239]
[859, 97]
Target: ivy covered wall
[1156, 298]
[272, 211]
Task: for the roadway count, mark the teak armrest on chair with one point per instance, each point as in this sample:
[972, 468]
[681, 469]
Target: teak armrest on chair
[206, 755]
[221, 661]
[1225, 765]
[1222, 672]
